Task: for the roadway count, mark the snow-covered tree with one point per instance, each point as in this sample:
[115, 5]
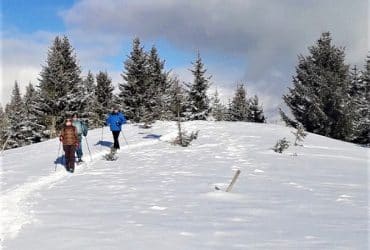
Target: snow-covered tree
[218, 110]
[239, 109]
[198, 101]
[33, 128]
[256, 111]
[319, 97]
[104, 96]
[59, 84]
[16, 115]
[281, 145]
[89, 101]
[134, 89]
[361, 95]
[157, 95]
[177, 100]
[3, 126]
[299, 134]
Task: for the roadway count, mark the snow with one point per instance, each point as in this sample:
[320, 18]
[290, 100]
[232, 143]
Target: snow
[161, 196]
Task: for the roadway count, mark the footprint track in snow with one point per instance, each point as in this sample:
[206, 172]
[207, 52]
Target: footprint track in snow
[15, 206]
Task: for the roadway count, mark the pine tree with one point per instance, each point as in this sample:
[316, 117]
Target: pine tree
[133, 91]
[33, 130]
[3, 126]
[228, 112]
[256, 111]
[299, 134]
[218, 109]
[177, 100]
[75, 99]
[157, 95]
[361, 94]
[319, 97]
[89, 99]
[198, 106]
[59, 84]
[239, 109]
[16, 115]
[104, 96]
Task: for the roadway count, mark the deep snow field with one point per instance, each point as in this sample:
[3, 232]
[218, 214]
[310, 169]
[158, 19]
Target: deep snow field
[158, 196]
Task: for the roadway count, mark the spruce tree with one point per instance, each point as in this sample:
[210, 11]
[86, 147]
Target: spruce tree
[3, 126]
[33, 128]
[361, 94]
[239, 108]
[75, 98]
[157, 95]
[218, 109]
[134, 89]
[104, 96]
[319, 97]
[89, 100]
[16, 115]
[198, 101]
[177, 100]
[256, 111]
[59, 85]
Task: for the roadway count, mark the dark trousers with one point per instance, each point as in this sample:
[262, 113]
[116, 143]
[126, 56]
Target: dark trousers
[115, 138]
[69, 152]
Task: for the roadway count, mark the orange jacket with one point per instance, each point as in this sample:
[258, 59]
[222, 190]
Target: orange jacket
[69, 135]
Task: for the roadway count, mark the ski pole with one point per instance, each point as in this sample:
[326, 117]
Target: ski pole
[101, 139]
[56, 162]
[88, 147]
[124, 137]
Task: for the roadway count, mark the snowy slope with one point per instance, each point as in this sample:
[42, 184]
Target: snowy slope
[159, 196]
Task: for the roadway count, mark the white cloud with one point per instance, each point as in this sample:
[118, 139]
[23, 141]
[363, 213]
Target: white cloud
[267, 35]
[21, 59]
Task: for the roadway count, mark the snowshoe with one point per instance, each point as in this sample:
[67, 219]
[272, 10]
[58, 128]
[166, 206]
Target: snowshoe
[112, 156]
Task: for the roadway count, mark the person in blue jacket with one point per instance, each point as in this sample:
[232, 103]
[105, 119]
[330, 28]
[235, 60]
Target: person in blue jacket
[115, 120]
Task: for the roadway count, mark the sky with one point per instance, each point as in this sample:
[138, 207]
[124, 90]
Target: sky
[240, 41]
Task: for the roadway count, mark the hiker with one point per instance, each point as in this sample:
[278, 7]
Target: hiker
[69, 138]
[81, 131]
[115, 120]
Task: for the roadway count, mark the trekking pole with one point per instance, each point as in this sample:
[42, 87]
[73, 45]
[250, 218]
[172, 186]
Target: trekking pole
[56, 162]
[101, 139]
[88, 147]
[124, 137]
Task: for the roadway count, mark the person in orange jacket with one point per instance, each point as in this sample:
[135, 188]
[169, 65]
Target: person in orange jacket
[69, 138]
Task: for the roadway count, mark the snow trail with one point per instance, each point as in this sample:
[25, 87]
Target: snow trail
[15, 209]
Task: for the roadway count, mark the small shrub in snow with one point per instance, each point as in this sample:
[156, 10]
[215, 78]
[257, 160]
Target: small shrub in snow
[281, 145]
[299, 134]
[184, 139]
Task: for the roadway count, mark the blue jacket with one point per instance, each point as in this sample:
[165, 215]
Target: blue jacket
[115, 121]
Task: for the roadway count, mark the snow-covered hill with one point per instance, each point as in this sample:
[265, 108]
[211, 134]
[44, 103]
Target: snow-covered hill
[160, 196]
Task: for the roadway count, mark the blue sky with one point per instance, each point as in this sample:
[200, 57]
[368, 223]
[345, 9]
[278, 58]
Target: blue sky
[31, 16]
[254, 42]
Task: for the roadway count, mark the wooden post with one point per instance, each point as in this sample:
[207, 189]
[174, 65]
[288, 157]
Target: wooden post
[4, 145]
[233, 181]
